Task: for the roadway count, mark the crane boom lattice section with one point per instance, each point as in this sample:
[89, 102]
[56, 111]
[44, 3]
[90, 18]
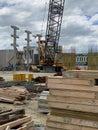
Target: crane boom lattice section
[54, 21]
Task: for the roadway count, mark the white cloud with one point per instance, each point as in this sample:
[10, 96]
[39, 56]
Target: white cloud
[5, 11]
[79, 26]
[94, 18]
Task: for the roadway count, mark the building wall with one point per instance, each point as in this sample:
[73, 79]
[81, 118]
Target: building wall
[93, 61]
[33, 55]
[5, 56]
[90, 59]
[81, 59]
[68, 59]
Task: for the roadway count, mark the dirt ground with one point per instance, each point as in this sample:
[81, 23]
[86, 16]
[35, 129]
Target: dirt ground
[31, 106]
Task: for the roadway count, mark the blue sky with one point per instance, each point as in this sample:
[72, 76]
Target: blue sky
[79, 26]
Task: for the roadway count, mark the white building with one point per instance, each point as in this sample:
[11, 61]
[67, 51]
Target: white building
[81, 59]
[6, 58]
[33, 55]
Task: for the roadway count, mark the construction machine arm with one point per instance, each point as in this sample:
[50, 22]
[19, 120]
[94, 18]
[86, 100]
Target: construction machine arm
[54, 21]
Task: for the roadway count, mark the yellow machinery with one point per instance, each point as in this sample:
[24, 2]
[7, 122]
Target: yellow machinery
[42, 61]
[49, 47]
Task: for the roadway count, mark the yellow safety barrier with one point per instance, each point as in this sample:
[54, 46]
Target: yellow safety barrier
[23, 77]
[16, 77]
[30, 77]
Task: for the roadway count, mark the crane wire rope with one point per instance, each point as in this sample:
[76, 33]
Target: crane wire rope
[66, 3]
[44, 15]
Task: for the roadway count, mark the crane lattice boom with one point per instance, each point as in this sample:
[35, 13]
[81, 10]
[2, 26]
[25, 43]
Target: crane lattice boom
[54, 21]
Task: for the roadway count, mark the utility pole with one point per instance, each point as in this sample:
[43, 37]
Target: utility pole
[39, 36]
[14, 44]
[28, 41]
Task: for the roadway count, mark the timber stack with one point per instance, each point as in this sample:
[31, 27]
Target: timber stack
[73, 103]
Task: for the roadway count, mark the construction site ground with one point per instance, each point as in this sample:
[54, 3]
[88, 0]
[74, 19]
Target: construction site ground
[31, 106]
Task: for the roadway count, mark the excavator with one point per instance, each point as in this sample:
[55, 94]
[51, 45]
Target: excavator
[49, 46]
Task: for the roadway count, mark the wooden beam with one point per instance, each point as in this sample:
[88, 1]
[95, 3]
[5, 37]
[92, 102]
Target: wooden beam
[72, 93]
[70, 81]
[29, 125]
[68, 126]
[75, 114]
[11, 115]
[77, 107]
[61, 99]
[73, 87]
[7, 128]
[51, 128]
[74, 121]
[16, 122]
[22, 128]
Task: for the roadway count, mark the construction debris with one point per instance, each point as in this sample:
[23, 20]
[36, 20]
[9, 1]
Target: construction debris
[36, 88]
[31, 86]
[2, 82]
[58, 74]
[1, 79]
[73, 103]
[13, 95]
[15, 120]
[11, 115]
[34, 68]
[40, 79]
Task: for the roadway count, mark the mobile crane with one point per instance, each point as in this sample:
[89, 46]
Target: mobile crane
[50, 45]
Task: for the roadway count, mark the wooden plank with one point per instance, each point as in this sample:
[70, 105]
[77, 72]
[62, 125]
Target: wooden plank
[70, 81]
[83, 74]
[75, 114]
[31, 128]
[29, 125]
[11, 92]
[68, 93]
[12, 97]
[12, 115]
[77, 107]
[73, 87]
[51, 128]
[84, 101]
[68, 126]
[74, 121]
[16, 122]
[6, 100]
[22, 128]
[25, 127]
[7, 96]
[3, 110]
[7, 128]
